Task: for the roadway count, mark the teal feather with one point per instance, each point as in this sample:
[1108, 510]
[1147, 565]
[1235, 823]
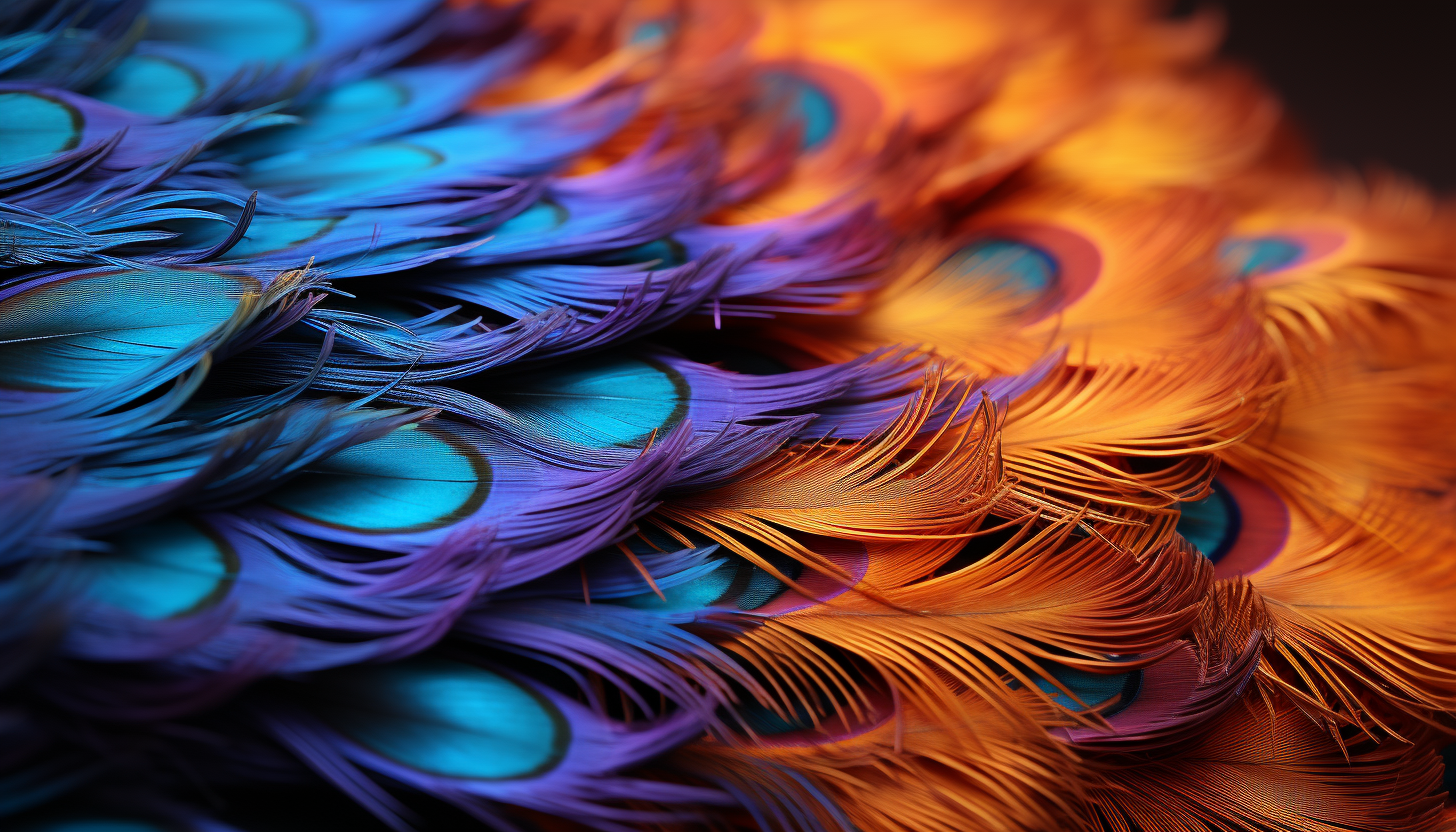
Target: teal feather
[408, 481]
[602, 402]
[87, 331]
[162, 570]
[447, 718]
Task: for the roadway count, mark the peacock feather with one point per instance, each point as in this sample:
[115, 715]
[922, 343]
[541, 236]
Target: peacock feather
[788, 415]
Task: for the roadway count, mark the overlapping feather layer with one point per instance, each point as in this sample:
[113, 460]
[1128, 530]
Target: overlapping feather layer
[766, 414]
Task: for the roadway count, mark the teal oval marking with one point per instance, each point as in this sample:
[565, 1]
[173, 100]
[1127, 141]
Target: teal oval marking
[650, 31]
[352, 107]
[34, 126]
[412, 480]
[1211, 524]
[266, 235]
[88, 331]
[603, 402]
[349, 171]
[164, 569]
[1252, 256]
[668, 253]
[1010, 264]
[249, 30]
[150, 85]
[807, 102]
[1094, 689]
[734, 581]
[696, 594]
[447, 718]
[542, 216]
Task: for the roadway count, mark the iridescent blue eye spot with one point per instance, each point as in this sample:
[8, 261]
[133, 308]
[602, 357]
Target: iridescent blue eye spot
[364, 103]
[446, 718]
[651, 30]
[413, 480]
[603, 402]
[731, 582]
[1252, 256]
[668, 253]
[89, 331]
[345, 172]
[249, 30]
[696, 594]
[162, 570]
[1009, 264]
[151, 85]
[805, 101]
[543, 216]
[1211, 524]
[34, 126]
[1094, 689]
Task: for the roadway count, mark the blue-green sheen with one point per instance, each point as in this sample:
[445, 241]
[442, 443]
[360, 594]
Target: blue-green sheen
[1092, 688]
[250, 30]
[411, 480]
[151, 85]
[346, 172]
[266, 235]
[1252, 256]
[651, 30]
[1211, 524]
[35, 126]
[602, 402]
[343, 110]
[162, 570]
[91, 825]
[449, 719]
[87, 331]
[541, 216]
[695, 594]
[1014, 265]
[807, 102]
[668, 253]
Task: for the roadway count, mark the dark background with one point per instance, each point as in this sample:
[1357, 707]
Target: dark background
[1372, 81]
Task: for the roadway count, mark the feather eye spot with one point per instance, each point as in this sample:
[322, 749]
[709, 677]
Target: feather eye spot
[412, 480]
[163, 570]
[35, 126]
[1211, 524]
[603, 402]
[446, 718]
[1009, 264]
[253, 30]
[805, 102]
[1106, 693]
[1254, 256]
[1240, 527]
[85, 332]
[1047, 267]
[543, 216]
[358, 105]
[346, 172]
[151, 85]
[666, 252]
[1247, 257]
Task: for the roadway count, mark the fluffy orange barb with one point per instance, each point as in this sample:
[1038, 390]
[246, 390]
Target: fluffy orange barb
[1265, 766]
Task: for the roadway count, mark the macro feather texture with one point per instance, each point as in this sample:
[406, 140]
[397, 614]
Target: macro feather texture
[784, 415]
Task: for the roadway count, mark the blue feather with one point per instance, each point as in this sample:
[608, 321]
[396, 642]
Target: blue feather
[86, 331]
[447, 718]
[1210, 524]
[163, 570]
